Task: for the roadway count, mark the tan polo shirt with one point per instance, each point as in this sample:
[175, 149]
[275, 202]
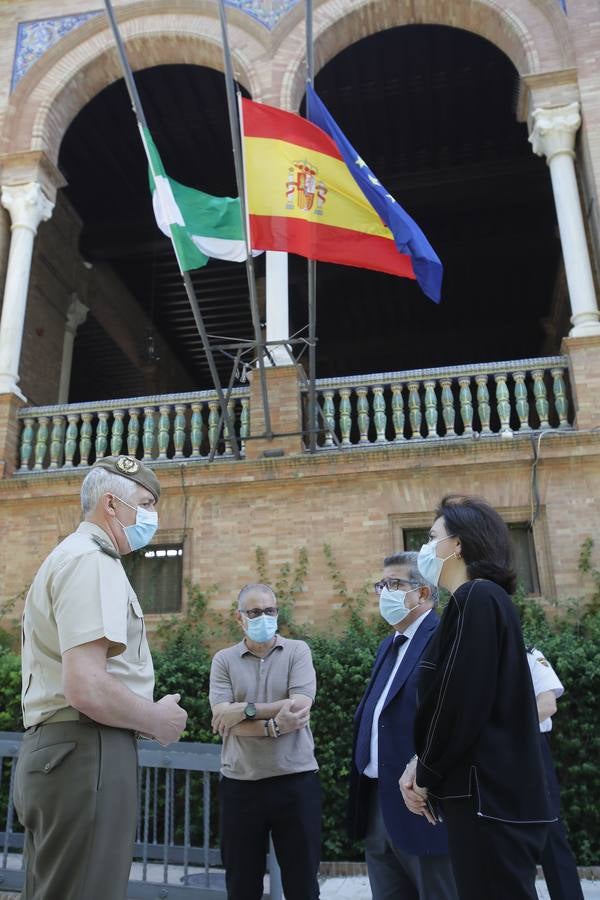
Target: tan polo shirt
[80, 594]
[238, 676]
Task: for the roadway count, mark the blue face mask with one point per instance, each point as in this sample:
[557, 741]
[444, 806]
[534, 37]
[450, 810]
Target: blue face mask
[146, 523]
[261, 629]
[430, 565]
[392, 606]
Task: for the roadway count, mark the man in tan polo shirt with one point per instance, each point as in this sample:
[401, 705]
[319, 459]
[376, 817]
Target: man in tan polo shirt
[261, 692]
[88, 685]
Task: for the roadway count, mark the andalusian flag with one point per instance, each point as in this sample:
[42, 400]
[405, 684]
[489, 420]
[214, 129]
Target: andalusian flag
[200, 225]
[310, 193]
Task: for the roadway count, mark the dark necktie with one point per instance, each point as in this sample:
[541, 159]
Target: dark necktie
[362, 754]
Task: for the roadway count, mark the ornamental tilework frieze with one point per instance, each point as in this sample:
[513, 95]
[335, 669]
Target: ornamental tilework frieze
[35, 37]
[268, 12]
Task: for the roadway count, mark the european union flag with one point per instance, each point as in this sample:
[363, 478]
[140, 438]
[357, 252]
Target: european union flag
[408, 237]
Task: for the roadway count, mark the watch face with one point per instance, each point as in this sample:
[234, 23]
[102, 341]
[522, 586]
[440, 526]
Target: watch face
[250, 710]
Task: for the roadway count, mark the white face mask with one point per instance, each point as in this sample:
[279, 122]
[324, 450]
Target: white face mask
[146, 523]
[392, 605]
[430, 565]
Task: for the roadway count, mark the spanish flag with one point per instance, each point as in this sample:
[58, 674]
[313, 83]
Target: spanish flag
[310, 193]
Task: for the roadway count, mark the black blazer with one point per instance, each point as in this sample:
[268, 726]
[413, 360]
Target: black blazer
[476, 729]
[412, 834]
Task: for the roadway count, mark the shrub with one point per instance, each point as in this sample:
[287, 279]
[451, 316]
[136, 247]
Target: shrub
[10, 691]
[343, 656]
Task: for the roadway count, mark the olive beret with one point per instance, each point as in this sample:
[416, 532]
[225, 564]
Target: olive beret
[131, 468]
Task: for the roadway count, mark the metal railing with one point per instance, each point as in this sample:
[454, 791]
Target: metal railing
[173, 858]
[159, 428]
[488, 399]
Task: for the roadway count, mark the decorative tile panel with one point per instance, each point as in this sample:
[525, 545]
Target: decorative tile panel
[35, 37]
[268, 12]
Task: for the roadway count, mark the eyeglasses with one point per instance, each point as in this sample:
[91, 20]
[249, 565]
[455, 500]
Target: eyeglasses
[392, 584]
[255, 613]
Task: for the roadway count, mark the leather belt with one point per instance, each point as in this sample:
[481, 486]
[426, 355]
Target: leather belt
[68, 714]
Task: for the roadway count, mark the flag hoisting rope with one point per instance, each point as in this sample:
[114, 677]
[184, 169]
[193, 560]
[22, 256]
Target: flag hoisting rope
[189, 287]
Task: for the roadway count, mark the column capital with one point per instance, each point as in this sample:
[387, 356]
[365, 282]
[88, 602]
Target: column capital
[554, 130]
[27, 205]
[76, 313]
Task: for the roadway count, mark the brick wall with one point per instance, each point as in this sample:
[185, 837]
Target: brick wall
[353, 501]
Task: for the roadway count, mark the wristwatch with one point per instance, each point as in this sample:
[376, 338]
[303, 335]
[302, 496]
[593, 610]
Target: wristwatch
[250, 711]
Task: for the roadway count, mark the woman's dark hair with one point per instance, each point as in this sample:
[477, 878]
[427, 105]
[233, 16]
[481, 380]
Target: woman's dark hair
[484, 538]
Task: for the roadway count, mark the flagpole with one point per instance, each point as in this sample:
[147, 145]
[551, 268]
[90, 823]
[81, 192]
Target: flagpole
[239, 177]
[312, 266]
[136, 105]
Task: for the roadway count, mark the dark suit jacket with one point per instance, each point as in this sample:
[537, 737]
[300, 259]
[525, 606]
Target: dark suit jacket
[410, 833]
[476, 729]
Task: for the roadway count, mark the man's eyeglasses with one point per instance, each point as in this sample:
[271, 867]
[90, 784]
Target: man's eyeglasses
[255, 613]
[393, 584]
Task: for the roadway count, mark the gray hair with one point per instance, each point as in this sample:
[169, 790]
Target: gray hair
[259, 588]
[99, 481]
[409, 559]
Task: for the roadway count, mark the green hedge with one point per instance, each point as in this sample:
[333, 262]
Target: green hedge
[343, 659]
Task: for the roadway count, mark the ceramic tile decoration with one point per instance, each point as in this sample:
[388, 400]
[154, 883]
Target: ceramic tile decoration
[37, 36]
[34, 38]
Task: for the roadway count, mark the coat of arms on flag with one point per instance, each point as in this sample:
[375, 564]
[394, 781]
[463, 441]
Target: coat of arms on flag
[304, 189]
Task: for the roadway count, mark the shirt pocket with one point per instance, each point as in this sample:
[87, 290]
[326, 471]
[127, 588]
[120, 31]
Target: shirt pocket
[136, 631]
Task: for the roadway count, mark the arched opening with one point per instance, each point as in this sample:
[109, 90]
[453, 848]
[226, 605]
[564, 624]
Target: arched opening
[433, 111]
[103, 161]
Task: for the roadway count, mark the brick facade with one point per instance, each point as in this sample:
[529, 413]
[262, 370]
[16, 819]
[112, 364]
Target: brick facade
[355, 501]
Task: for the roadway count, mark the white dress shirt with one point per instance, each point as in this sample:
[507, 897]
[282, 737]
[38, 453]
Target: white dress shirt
[372, 771]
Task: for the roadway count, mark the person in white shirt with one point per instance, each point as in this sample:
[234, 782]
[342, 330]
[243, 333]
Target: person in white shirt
[558, 863]
[407, 857]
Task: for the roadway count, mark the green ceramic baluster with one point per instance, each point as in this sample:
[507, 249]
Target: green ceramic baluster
[483, 403]
[466, 405]
[27, 442]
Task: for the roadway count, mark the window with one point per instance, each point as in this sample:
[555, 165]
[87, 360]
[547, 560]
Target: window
[414, 538]
[523, 549]
[525, 561]
[156, 573]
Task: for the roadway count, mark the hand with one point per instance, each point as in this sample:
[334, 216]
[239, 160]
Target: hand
[225, 719]
[288, 720]
[414, 796]
[170, 719]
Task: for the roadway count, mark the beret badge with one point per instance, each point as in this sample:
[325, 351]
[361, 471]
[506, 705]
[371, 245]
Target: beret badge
[127, 464]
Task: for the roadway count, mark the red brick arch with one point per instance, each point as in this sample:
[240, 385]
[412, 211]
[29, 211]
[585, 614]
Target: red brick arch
[84, 62]
[532, 33]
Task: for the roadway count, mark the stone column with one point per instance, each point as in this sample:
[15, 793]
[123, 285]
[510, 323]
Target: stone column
[553, 136]
[278, 326]
[76, 316]
[28, 206]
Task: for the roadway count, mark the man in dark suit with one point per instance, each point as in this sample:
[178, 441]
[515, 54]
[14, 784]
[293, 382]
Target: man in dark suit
[407, 858]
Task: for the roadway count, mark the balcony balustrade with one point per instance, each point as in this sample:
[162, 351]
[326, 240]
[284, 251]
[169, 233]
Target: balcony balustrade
[495, 400]
[490, 399]
[167, 427]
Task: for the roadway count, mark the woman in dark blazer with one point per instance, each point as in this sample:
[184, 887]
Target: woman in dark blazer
[478, 764]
